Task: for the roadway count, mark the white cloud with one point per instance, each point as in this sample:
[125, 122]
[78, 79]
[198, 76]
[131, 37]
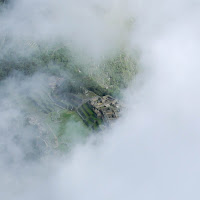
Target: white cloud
[153, 151]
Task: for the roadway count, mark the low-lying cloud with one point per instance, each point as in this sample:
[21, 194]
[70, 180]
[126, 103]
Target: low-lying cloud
[152, 152]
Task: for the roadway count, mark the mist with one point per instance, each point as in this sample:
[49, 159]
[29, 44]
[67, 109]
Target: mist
[152, 151]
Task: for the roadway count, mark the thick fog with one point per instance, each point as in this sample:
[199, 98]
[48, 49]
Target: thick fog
[152, 152]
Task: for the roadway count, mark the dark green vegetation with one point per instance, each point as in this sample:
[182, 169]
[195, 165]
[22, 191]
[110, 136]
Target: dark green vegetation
[107, 78]
[61, 113]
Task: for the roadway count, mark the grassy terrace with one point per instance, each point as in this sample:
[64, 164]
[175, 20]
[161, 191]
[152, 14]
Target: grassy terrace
[89, 116]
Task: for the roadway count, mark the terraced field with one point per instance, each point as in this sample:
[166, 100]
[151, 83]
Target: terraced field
[60, 114]
[89, 117]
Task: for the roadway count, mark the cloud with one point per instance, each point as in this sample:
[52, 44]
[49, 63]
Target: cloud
[93, 27]
[152, 152]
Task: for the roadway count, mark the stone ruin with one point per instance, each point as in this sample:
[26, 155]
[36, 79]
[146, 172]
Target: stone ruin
[106, 108]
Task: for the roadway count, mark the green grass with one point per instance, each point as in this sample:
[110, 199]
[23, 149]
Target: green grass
[90, 117]
[66, 116]
[71, 129]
